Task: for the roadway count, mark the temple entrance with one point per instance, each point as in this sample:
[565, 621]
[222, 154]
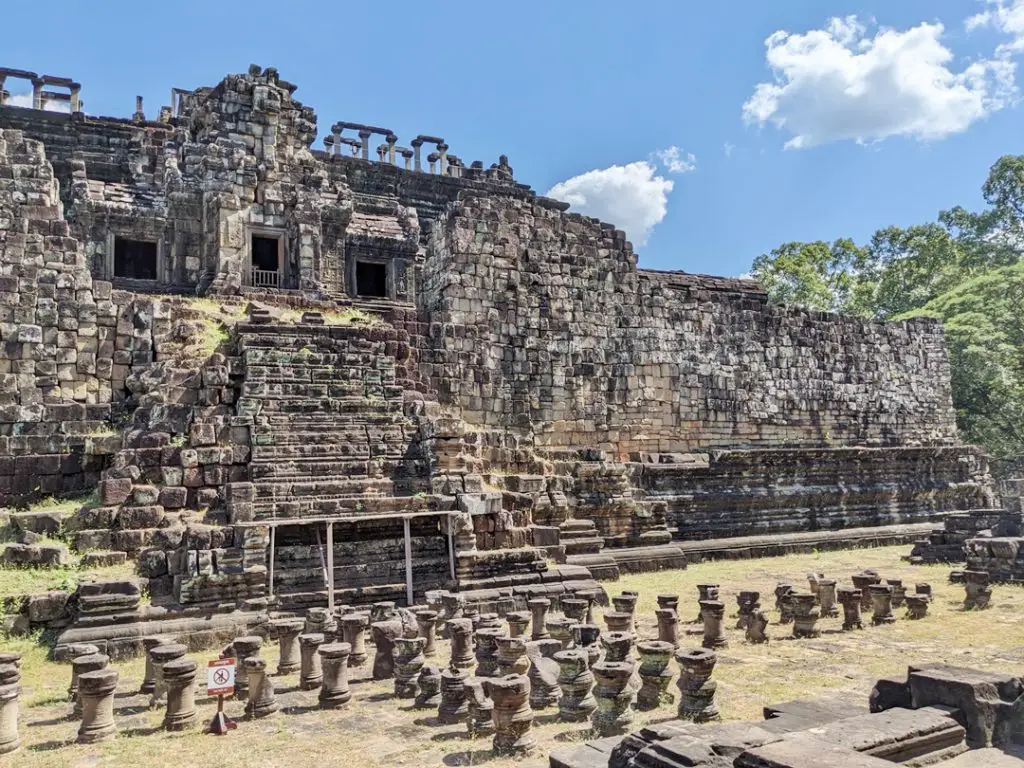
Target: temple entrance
[371, 279]
[135, 259]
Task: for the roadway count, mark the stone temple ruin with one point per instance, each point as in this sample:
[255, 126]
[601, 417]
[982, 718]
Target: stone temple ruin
[296, 376]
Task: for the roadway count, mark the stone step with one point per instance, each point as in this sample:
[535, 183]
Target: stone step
[297, 469]
[342, 405]
[336, 486]
[269, 497]
[576, 526]
[341, 451]
[588, 546]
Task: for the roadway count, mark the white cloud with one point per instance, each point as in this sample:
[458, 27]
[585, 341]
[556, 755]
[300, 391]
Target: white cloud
[728, 147]
[1005, 17]
[25, 100]
[633, 196]
[839, 83]
[675, 161]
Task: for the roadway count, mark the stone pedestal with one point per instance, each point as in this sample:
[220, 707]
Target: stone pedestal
[287, 632]
[409, 660]
[426, 624]
[454, 706]
[668, 602]
[96, 690]
[486, 641]
[668, 626]
[850, 598]
[655, 673]
[10, 690]
[383, 610]
[917, 606]
[881, 604]
[480, 718]
[923, 588]
[353, 632]
[160, 656]
[863, 581]
[899, 592]
[617, 645]
[518, 623]
[488, 621]
[539, 608]
[384, 634]
[827, 598]
[626, 603]
[576, 682]
[614, 713]
[148, 677]
[428, 695]
[79, 666]
[513, 717]
[575, 609]
[543, 674]
[560, 628]
[180, 679]
[311, 674]
[512, 658]
[713, 614]
[782, 605]
[696, 688]
[334, 693]
[978, 593]
[747, 601]
[805, 614]
[705, 592]
[460, 632]
[262, 700]
[813, 579]
[616, 621]
[590, 595]
[320, 620]
[586, 637]
[756, 630]
[241, 648]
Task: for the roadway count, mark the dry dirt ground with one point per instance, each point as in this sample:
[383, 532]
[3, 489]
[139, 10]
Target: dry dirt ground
[378, 730]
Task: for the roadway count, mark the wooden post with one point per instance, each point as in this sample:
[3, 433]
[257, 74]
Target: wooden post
[270, 570]
[330, 566]
[408, 562]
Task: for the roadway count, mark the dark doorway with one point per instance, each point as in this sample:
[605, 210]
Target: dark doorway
[134, 259]
[264, 253]
[371, 279]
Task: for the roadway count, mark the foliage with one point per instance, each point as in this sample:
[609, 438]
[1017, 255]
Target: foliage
[964, 269]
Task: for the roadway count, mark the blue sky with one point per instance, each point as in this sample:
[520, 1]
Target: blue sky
[570, 89]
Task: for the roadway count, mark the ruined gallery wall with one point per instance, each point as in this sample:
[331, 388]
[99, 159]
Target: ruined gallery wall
[540, 321]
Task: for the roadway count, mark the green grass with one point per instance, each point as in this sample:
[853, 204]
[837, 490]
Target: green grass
[21, 582]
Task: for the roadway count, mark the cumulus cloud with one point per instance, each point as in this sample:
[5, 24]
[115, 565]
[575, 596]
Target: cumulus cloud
[1004, 17]
[633, 197]
[25, 100]
[842, 83]
[675, 161]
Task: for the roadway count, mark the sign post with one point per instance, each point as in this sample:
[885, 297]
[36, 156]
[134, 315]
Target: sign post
[220, 682]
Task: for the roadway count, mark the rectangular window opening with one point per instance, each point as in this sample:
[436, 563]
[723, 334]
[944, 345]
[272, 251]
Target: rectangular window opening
[371, 279]
[134, 259]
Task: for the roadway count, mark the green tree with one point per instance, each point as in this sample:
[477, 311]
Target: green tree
[816, 275]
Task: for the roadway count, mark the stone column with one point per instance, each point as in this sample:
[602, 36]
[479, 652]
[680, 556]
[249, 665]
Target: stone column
[706, 592]
[590, 595]
[37, 94]
[813, 579]
[668, 626]
[862, 581]
[242, 648]
[616, 621]
[881, 604]
[353, 632]
[480, 718]
[518, 623]
[149, 676]
[262, 700]
[713, 613]
[978, 593]
[288, 658]
[757, 628]
[10, 690]
[96, 690]
[429, 694]
[487, 651]
[543, 674]
[626, 603]
[512, 656]
[416, 144]
[364, 137]
[320, 620]
[917, 606]
[655, 656]
[488, 621]
[805, 614]
[560, 628]
[899, 592]
[311, 673]
[614, 713]
[669, 602]
[696, 688]
[384, 635]
[782, 605]
[575, 681]
[334, 692]
[923, 588]
[539, 608]
[575, 609]
[409, 660]
[89, 662]
[513, 717]
[747, 601]
[460, 631]
[453, 707]
[76, 98]
[180, 679]
[161, 655]
[827, 598]
[850, 599]
[586, 637]
[617, 645]
[426, 624]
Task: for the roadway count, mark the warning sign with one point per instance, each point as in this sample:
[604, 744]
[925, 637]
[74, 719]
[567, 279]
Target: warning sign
[220, 677]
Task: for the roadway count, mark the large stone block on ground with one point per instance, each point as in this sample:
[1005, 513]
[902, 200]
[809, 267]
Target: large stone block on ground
[802, 751]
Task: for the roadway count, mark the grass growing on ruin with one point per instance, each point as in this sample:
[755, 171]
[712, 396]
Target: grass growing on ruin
[347, 316]
[377, 730]
[16, 583]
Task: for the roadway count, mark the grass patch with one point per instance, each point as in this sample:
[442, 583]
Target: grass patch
[347, 316]
[20, 582]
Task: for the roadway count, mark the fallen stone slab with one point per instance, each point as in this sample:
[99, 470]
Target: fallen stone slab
[984, 758]
[818, 710]
[803, 751]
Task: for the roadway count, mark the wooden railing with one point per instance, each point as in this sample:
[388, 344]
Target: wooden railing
[266, 278]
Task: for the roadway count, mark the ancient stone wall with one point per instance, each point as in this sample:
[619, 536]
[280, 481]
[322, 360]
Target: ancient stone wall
[540, 322]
